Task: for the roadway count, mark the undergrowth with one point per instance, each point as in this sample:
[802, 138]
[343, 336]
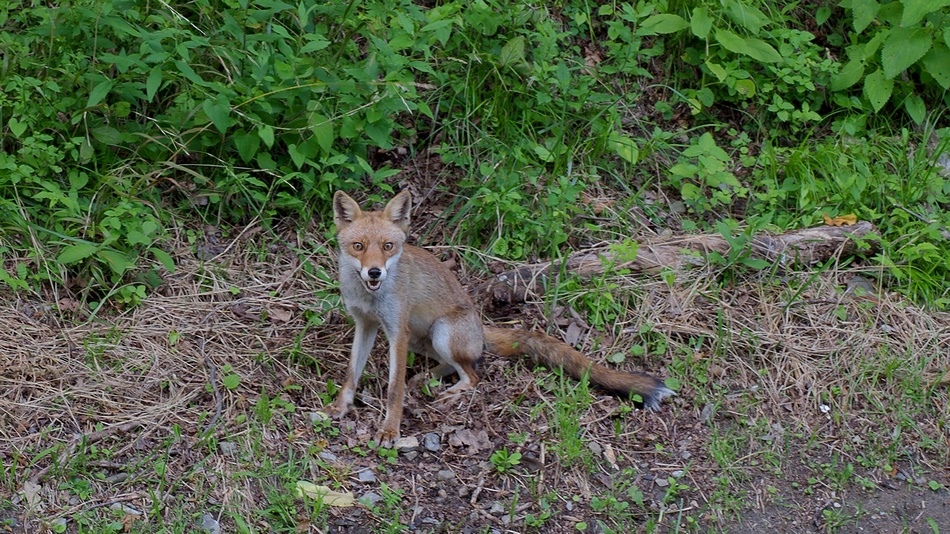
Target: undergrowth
[121, 121]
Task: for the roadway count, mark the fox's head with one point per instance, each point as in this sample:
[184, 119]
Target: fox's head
[371, 241]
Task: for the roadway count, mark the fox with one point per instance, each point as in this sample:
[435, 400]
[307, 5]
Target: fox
[421, 306]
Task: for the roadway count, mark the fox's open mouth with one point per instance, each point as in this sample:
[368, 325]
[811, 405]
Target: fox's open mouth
[373, 285]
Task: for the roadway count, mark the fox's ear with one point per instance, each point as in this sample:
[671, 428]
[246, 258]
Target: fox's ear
[398, 210]
[345, 210]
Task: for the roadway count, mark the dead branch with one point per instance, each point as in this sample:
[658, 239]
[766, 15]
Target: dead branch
[807, 246]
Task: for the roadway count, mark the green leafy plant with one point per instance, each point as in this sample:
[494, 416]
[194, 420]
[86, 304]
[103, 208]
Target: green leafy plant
[504, 460]
[889, 38]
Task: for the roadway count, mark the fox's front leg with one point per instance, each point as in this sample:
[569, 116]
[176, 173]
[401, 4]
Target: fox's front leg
[362, 345]
[398, 356]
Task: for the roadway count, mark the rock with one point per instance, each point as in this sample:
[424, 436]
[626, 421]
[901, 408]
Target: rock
[117, 478]
[496, 508]
[127, 510]
[431, 442]
[411, 455]
[662, 482]
[209, 524]
[406, 444]
[445, 475]
[328, 456]
[228, 448]
[677, 474]
[366, 476]
[370, 498]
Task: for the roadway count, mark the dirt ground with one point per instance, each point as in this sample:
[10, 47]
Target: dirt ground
[219, 378]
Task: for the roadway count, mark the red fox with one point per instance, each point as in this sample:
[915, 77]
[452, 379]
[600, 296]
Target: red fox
[422, 308]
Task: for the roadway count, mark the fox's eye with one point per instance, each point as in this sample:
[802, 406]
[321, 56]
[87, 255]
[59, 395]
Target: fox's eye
[387, 246]
[357, 246]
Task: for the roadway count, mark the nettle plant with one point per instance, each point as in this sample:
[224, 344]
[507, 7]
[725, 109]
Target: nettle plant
[898, 51]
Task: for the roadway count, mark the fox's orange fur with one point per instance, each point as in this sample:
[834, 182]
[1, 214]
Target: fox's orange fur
[421, 306]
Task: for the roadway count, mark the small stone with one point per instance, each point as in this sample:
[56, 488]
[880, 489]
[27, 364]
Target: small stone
[228, 448]
[328, 456]
[406, 444]
[677, 474]
[366, 476]
[685, 455]
[445, 475]
[209, 524]
[370, 498]
[411, 455]
[595, 448]
[662, 482]
[318, 417]
[431, 442]
[496, 508]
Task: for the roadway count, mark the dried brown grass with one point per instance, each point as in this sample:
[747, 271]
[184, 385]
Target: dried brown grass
[780, 348]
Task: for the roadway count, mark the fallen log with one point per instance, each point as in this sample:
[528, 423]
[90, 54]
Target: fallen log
[807, 246]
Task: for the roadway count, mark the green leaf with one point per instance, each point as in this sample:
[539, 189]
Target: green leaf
[700, 23]
[903, 47]
[247, 144]
[266, 133]
[116, 260]
[745, 88]
[730, 41]
[625, 147]
[17, 128]
[746, 16]
[916, 10]
[512, 52]
[218, 111]
[762, 51]
[164, 258]
[153, 82]
[317, 43]
[75, 253]
[849, 75]
[937, 64]
[752, 47]
[915, 108]
[295, 155]
[323, 130]
[822, 14]
[878, 89]
[231, 381]
[863, 12]
[99, 92]
[662, 23]
[717, 70]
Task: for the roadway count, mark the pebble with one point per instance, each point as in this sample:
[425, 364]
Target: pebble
[328, 456]
[210, 524]
[367, 476]
[662, 482]
[445, 475]
[411, 455]
[228, 448]
[370, 498]
[677, 474]
[406, 444]
[496, 508]
[431, 442]
[318, 417]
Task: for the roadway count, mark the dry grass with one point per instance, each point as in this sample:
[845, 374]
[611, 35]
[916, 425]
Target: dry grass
[823, 372]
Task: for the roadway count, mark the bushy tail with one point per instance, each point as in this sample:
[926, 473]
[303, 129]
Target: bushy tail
[548, 351]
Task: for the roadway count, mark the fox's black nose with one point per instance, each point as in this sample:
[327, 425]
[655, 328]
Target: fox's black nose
[374, 273]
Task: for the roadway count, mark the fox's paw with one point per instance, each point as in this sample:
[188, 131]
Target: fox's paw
[337, 409]
[387, 436]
